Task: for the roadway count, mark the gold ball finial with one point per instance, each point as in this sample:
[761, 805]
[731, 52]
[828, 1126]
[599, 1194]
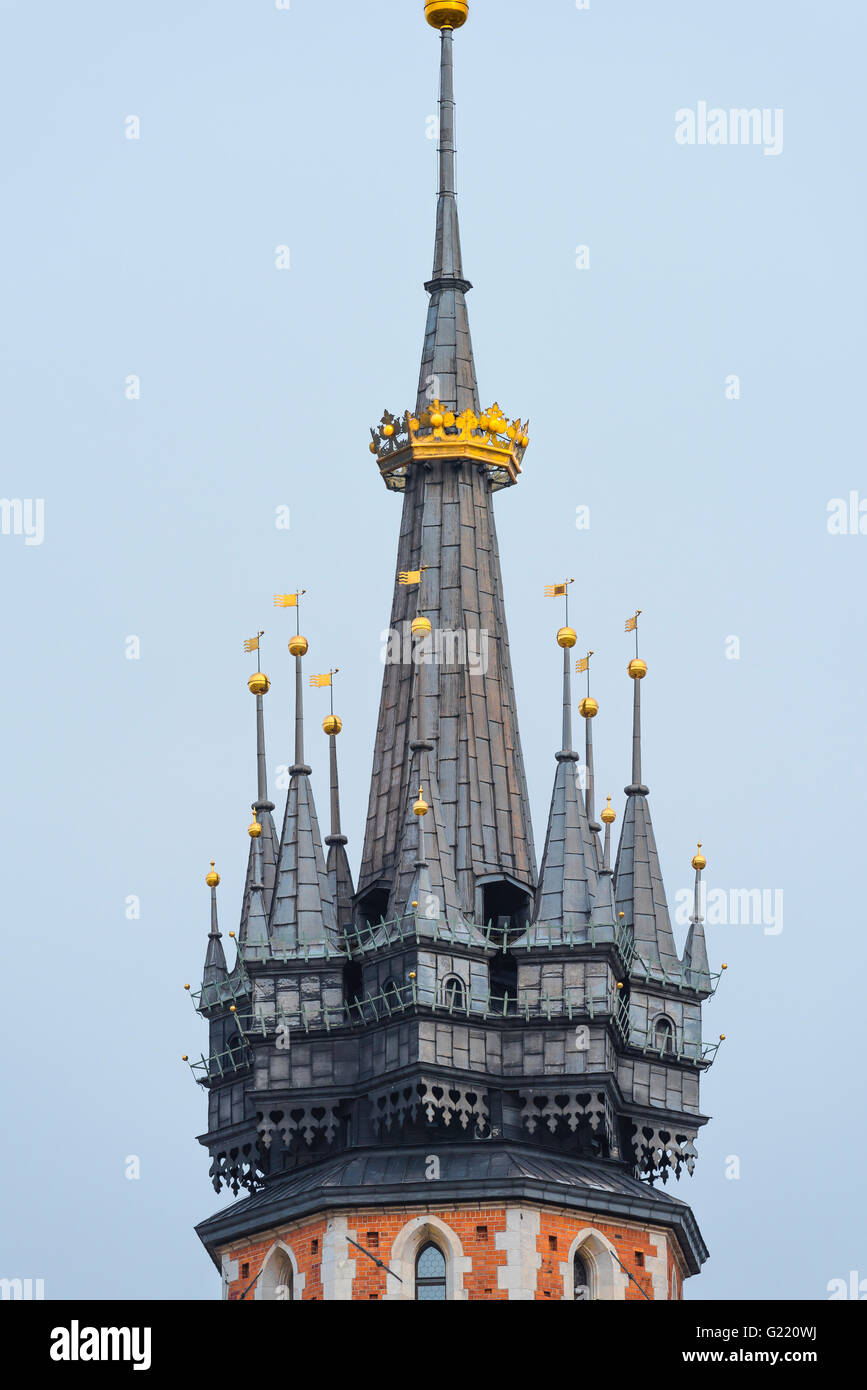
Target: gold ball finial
[213, 878]
[446, 14]
[698, 860]
[331, 724]
[637, 668]
[258, 684]
[722, 1037]
[609, 815]
[185, 1058]
[621, 914]
[254, 830]
[298, 646]
[421, 626]
[619, 984]
[724, 966]
[567, 637]
[588, 707]
[232, 1009]
[186, 986]
[420, 807]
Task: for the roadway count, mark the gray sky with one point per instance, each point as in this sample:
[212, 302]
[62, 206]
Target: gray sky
[155, 258]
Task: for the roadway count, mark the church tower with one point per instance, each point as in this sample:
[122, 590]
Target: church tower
[465, 1077]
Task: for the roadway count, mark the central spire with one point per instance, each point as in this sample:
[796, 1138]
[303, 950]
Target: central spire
[448, 372]
[448, 459]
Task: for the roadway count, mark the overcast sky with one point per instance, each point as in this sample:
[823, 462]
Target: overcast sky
[156, 258]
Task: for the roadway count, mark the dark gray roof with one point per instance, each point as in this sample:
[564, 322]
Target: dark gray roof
[473, 1172]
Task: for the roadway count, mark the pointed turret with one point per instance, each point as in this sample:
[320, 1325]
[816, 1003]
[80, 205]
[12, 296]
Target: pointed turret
[695, 962]
[639, 890]
[215, 970]
[302, 909]
[604, 911]
[568, 877]
[253, 937]
[259, 685]
[337, 863]
[588, 708]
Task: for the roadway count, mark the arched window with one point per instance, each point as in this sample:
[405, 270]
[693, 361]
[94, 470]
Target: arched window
[430, 1274]
[581, 1280]
[235, 1049]
[454, 994]
[663, 1036]
[278, 1279]
[391, 990]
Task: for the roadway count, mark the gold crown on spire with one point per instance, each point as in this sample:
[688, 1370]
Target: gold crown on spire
[446, 14]
[609, 815]
[489, 438]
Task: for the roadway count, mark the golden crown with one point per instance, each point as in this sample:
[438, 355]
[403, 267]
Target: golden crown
[489, 438]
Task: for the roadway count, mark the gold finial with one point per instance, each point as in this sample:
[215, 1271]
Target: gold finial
[722, 1037]
[567, 637]
[698, 860]
[619, 984]
[724, 966]
[637, 668]
[258, 684]
[420, 807]
[213, 878]
[446, 14]
[298, 645]
[232, 1009]
[254, 830]
[609, 815]
[588, 707]
[185, 1058]
[421, 626]
[331, 724]
[186, 986]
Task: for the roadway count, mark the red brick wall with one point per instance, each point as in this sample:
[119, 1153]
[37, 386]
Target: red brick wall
[476, 1228]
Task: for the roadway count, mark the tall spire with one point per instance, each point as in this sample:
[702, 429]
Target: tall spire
[215, 961]
[448, 470]
[567, 880]
[448, 371]
[639, 890]
[302, 908]
[695, 952]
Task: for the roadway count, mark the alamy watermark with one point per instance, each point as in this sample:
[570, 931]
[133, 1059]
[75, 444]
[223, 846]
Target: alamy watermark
[441, 647]
[23, 516]
[738, 126]
[720, 907]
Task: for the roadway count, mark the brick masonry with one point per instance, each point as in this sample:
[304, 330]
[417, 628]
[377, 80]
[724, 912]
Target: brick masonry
[496, 1253]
